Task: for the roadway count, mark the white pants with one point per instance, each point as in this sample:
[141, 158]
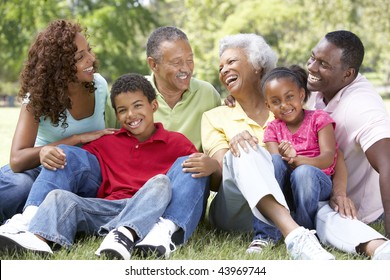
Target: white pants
[245, 180]
[343, 233]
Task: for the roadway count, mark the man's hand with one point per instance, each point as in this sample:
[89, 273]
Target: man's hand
[343, 205]
[230, 101]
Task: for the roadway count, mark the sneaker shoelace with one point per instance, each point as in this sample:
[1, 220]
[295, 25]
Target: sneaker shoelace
[121, 238]
[309, 241]
[257, 246]
[258, 243]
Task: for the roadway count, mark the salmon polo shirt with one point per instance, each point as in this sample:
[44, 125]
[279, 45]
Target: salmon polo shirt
[127, 164]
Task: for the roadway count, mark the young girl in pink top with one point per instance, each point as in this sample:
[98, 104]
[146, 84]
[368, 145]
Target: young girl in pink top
[302, 143]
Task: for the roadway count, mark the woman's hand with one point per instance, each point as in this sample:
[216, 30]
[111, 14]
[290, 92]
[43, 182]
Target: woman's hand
[242, 139]
[93, 135]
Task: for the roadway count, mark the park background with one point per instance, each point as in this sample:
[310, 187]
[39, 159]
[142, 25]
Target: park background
[118, 32]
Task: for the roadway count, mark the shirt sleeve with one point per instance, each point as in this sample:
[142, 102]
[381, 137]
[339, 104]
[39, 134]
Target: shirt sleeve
[213, 137]
[368, 121]
[322, 119]
[270, 133]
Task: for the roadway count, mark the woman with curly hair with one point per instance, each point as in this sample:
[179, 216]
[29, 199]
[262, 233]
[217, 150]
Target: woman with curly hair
[63, 102]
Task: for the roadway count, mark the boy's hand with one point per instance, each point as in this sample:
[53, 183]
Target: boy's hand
[52, 158]
[200, 165]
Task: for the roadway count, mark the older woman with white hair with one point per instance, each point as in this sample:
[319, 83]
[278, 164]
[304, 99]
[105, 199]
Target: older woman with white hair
[247, 192]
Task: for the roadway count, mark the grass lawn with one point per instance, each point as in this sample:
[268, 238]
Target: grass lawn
[205, 244]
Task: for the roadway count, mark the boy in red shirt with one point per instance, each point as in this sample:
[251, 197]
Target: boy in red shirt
[128, 170]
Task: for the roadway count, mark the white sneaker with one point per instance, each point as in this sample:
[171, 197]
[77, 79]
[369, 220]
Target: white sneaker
[16, 224]
[157, 242]
[304, 245]
[257, 246]
[118, 244]
[19, 222]
[23, 242]
[382, 252]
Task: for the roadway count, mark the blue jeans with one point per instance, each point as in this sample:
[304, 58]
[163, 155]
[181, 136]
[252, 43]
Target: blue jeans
[64, 214]
[188, 203]
[14, 190]
[303, 187]
[81, 176]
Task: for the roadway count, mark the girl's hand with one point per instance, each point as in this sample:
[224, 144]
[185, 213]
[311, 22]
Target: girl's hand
[288, 153]
[286, 149]
[52, 158]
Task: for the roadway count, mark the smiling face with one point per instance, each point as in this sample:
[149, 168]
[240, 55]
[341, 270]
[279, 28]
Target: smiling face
[173, 71]
[285, 100]
[236, 72]
[135, 113]
[85, 59]
[327, 73]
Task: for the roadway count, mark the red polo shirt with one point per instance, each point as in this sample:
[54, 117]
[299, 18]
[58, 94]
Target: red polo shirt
[126, 164]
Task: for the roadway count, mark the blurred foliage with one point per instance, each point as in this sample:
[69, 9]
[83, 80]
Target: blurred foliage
[119, 29]
[291, 27]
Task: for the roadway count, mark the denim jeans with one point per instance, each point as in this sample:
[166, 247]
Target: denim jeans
[81, 176]
[14, 190]
[189, 201]
[64, 214]
[303, 187]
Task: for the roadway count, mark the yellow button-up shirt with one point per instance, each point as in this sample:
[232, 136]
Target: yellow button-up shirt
[221, 124]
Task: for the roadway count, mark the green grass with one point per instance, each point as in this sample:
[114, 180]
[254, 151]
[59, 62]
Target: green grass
[205, 243]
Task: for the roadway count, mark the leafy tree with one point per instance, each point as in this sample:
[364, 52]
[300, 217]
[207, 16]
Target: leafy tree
[19, 21]
[291, 27]
[117, 31]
